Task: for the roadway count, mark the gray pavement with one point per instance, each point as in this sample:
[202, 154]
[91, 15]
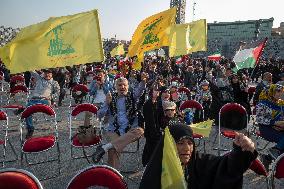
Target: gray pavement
[69, 167]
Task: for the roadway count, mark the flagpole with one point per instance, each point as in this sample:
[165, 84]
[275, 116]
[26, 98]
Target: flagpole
[257, 59]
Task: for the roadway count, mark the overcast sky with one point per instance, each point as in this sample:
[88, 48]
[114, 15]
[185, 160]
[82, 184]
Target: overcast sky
[121, 17]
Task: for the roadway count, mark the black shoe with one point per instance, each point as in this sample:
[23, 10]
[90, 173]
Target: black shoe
[99, 153]
[29, 133]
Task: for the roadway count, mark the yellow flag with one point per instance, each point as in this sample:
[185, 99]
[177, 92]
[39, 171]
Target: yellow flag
[137, 63]
[172, 174]
[188, 38]
[152, 33]
[202, 128]
[119, 50]
[57, 42]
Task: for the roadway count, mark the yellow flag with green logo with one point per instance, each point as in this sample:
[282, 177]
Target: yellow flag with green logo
[152, 33]
[57, 42]
[188, 38]
[137, 63]
[117, 51]
[172, 175]
[202, 128]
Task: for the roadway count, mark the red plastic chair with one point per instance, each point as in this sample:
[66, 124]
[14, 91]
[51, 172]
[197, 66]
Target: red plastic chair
[258, 168]
[4, 141]
[18, 179]
[74, 141]
[100, 175]
[78, 88]
[17, 78]
[40, 144]
[190, 104]
[233, 109]
[277, 170]
[18, 90]
[176, 79]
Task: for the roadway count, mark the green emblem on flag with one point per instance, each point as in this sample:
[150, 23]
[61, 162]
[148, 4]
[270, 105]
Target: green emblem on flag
[151, 38]
[57, 45]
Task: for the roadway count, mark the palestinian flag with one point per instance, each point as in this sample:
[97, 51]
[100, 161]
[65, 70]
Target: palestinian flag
[215, 57]
[248, 55]
[164, 170]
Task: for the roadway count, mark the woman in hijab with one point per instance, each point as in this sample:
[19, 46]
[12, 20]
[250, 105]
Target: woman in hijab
[270, 118]
[204, 171]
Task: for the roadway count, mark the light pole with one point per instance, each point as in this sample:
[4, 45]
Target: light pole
[257, 30]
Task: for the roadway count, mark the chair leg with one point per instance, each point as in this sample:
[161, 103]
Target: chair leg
[13, 149]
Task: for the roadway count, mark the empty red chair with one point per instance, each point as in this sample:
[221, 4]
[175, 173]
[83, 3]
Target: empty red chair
[40, 144]
[18, 179]
[101, 175]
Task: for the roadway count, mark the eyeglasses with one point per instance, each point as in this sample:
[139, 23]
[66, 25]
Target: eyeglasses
[169, 110]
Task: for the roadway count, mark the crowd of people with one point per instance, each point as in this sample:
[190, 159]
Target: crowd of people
[135, 104]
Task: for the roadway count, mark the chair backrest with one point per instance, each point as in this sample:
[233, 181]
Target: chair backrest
[184, 90]
[278, 167]
[18, 89]
[191, 104]
[233, 116]
[251, 90]
[83, 108]
[100, 175]
[18, 178]
[36, 108]
[258, 167]
[17, 78]
[3, 116]
[80, 87]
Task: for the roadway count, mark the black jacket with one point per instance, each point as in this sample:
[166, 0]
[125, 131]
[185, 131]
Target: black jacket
[207, 171]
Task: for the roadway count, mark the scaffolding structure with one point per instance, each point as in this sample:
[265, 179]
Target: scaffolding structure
[180, 18]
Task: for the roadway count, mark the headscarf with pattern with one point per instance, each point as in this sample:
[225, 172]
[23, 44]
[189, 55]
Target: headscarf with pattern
[267, 97]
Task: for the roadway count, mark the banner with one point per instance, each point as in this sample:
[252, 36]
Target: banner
[152, 33]
[117, 51]
[188, 38]
[202, 128]
[57, 42]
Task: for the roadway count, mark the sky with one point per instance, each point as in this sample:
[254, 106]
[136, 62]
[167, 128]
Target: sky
[120, 17]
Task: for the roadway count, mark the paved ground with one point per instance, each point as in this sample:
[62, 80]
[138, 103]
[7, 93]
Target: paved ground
[70, 167]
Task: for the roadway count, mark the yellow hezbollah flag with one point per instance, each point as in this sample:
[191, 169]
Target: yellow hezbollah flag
[152, 33]
[57, 42]
[188, 38]
[137, 63]
[172, 174]
[119, 50]
[202, 128]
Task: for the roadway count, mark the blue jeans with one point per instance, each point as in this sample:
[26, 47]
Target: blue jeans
[29, 120]
[270, 134]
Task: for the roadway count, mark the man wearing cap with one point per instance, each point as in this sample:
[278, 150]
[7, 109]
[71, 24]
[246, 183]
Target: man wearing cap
[45, 88]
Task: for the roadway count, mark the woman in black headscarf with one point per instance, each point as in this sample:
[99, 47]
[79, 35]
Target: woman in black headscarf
[203, 171]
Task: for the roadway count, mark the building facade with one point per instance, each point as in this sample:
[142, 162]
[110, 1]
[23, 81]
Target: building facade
[225, 37]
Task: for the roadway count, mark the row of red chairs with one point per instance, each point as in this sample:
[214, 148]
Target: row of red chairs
[102, 175]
